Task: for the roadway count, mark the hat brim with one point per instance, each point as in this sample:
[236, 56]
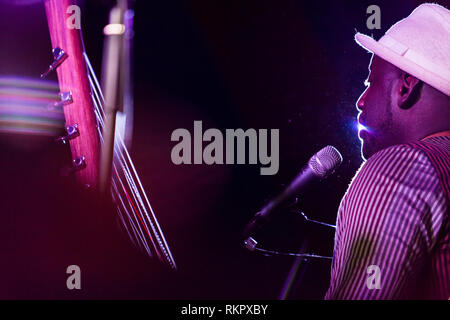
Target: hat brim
[406, 65]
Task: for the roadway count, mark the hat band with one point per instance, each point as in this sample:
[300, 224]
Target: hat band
[414, 57]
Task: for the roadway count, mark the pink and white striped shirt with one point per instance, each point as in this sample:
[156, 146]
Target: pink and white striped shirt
[394, 221]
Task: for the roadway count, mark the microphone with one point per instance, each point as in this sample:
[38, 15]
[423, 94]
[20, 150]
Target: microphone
[320, 166]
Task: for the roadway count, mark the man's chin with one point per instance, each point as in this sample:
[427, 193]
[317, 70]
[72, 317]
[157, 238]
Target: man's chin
[371, 145]
[367, 149]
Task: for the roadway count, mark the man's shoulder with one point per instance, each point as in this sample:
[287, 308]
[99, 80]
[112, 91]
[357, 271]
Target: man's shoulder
[415, 151]
[397, 156]
[396, 173]
[402, 163]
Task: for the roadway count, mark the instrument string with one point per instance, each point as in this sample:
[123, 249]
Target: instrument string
[115, 191]
[131, 176]
[138, 229]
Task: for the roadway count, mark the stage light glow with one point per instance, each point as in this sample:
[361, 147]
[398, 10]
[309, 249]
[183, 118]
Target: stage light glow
[113, 29]
[362, 127]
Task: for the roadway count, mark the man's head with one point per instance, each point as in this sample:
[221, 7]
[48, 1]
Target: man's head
[409, 83]
[397, 107]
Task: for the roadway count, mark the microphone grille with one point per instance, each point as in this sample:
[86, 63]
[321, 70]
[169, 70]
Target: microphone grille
[325, 161]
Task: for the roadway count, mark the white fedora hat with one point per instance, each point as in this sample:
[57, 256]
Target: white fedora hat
[418, 44]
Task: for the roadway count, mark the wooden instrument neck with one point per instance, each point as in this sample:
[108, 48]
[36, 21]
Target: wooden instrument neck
[73, 77]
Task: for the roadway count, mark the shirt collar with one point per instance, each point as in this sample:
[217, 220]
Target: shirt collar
[438, 134]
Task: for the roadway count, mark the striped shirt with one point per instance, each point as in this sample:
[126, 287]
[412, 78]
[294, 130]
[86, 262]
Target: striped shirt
[392, 238]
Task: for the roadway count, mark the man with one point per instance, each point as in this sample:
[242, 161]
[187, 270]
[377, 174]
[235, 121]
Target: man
[393, 226]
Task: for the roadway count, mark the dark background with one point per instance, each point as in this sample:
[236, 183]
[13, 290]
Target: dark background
[290, 65]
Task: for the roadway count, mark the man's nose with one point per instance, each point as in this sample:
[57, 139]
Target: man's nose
[361, 100]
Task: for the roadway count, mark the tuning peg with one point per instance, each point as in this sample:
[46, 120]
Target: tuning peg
[59, 55]
[65, 99]
[72, 132]
[77, 164]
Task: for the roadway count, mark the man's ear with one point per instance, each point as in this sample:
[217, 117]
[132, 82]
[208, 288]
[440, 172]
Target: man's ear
[409, 89]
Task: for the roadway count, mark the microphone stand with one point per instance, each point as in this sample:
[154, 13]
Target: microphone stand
[301, 257]
[294, 273]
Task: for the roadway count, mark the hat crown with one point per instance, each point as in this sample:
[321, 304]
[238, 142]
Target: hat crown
[418, 45]
[427, 31]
